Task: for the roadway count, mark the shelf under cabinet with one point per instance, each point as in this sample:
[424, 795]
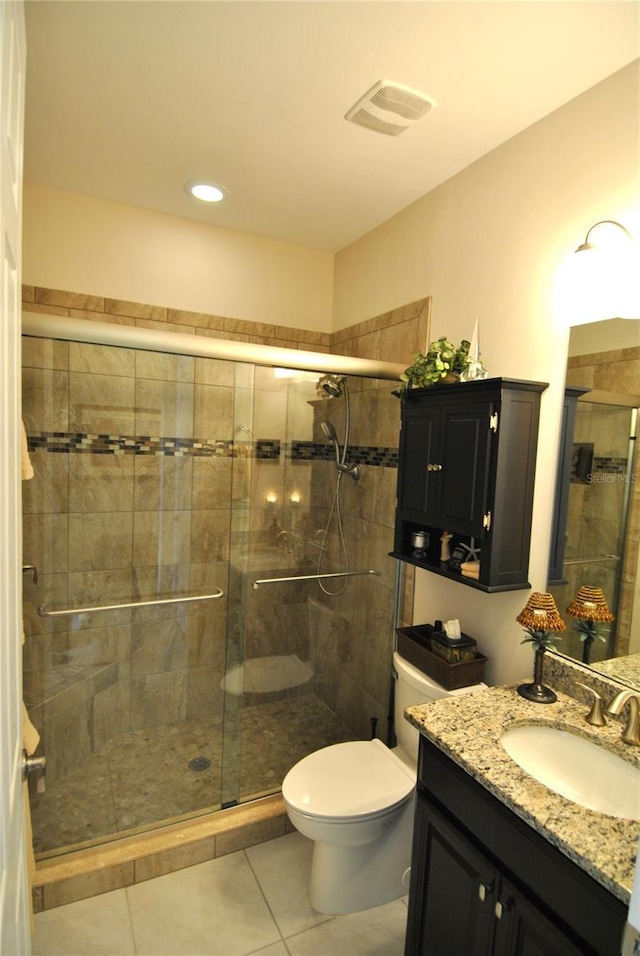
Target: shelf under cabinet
[443, 571]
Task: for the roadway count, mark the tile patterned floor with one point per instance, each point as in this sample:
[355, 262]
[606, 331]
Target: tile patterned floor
[143, 778]
[250, 902]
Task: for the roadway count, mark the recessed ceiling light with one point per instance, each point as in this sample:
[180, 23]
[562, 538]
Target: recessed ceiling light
[205, 192]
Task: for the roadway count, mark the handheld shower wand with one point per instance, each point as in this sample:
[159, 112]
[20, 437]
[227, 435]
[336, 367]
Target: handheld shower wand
[342, 468]
[329, 432]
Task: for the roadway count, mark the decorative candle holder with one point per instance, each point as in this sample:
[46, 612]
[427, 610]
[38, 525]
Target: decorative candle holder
[590, 608]
[541, 619]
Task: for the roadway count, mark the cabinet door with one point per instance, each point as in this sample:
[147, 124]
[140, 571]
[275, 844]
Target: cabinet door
[523, 930]
[465, 454]
[450, 909]
[418, 478]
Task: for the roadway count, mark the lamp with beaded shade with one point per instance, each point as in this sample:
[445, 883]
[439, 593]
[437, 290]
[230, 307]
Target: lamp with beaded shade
[541, 621]
[591, 610]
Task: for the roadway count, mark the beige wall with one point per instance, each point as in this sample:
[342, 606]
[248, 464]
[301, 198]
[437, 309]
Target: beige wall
[77, 244]
[487, 245]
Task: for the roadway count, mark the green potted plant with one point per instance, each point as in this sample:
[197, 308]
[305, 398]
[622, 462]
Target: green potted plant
[442, 362]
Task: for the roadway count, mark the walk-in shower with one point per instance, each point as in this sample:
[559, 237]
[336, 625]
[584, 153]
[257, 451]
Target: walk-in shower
[173, 474]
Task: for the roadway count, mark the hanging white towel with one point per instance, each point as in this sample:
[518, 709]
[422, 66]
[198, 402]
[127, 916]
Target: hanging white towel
[27, 467]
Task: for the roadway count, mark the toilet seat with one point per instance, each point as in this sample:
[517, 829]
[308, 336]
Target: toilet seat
[355, 780]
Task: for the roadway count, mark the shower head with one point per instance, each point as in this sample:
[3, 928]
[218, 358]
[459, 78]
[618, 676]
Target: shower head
[333, 385]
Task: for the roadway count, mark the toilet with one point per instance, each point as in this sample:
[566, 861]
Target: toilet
[356, 802]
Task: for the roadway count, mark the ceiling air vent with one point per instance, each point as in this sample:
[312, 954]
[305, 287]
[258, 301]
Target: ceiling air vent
[390, 108]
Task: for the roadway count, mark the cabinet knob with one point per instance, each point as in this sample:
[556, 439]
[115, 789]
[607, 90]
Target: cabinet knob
[482, 892]
[434, 467]
[498, 910]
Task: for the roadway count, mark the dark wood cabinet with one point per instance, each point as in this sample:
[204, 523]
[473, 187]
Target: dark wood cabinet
[467, 458]
[484, 883]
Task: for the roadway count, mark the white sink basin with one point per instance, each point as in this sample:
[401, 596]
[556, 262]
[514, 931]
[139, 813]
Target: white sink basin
[576, 768]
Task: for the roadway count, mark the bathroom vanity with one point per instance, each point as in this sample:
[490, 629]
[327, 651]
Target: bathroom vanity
[502, 865]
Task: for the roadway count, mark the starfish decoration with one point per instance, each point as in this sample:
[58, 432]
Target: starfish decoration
[473, 553]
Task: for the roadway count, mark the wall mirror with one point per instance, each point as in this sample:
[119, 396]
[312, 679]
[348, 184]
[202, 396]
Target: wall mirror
[599, 526]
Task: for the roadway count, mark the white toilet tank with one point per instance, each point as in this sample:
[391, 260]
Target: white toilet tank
[414, 687]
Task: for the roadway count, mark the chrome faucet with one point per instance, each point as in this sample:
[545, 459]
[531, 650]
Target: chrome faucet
[631, 732]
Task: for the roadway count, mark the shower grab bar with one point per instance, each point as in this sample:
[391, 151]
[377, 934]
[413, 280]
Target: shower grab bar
[44, 611]
[596, 560]
[312, 577]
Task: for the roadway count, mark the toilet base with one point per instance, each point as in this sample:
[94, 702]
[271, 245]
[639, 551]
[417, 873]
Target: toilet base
[347, 879]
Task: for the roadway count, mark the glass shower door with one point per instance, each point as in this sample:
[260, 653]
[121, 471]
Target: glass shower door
[130, 503]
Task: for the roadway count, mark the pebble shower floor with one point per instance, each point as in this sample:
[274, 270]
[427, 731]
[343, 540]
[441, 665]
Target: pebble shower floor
[142, 778]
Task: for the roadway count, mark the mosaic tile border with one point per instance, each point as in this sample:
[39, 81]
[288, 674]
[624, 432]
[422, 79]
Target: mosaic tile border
[263, 449]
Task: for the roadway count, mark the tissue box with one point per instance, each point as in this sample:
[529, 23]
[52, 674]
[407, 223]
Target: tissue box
[453, 651]
[416, 646]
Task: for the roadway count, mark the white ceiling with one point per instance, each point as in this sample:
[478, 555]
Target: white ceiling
[128, 100]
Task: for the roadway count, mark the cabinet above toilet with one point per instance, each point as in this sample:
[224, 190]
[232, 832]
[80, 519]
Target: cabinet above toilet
[467, 457]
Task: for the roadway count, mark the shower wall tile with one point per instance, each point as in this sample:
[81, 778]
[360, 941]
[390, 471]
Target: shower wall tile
[213, 412]
[210, 536]
[270, 414]
[158, 582]
[100, 404]
[100, 541]
[69, 300]
[379, 637]
[97, 588]
[163, 408]
[45, 542]
[48, 490]
[164, 482]
[211, 483]
[212, 371]
[44, 353]
[205, 577]
[206, 638]
[384, 495]
[101, 359]
[135, 310]
[158, 699]
[161, 538]
[158, 648]
[164, 367]
[198, 320]
[99, 646]
[45, 399]
[101, 483]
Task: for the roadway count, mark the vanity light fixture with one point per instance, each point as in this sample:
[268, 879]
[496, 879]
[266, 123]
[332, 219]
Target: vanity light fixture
[541, 619]
[586, 245]
[603, 282]
[205, 192]
[590, 609]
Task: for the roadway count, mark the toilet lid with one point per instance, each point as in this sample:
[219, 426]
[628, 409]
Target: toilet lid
[351, 779]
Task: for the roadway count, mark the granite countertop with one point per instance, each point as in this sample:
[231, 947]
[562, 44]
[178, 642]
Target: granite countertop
[468, 730]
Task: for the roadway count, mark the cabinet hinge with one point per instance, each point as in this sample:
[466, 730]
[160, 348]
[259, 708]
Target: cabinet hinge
[493, 422]
[486, 521]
